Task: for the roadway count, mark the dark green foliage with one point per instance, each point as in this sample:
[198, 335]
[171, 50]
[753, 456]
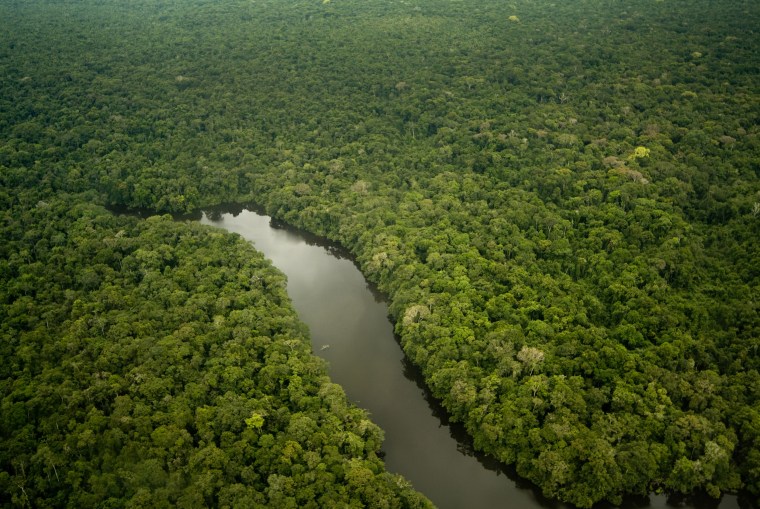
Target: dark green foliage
[563, 207]
[159, 363]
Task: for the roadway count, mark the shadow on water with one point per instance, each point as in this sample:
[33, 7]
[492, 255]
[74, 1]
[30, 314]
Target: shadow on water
[530, 496]
[465, 446]
[217, 212]
[464, 441]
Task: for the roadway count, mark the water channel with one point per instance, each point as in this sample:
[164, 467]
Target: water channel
[349, 325]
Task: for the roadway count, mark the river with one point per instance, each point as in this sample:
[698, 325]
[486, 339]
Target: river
[349, 325]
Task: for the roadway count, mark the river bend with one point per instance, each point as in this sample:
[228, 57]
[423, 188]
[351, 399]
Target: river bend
[349, 326]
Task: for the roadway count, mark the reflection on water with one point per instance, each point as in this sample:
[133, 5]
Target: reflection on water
[349, 327]
[348, 321]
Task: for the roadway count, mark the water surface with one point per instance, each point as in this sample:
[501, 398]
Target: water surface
[349, 325]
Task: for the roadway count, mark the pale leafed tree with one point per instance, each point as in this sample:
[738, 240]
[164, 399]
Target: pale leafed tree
[531, 357]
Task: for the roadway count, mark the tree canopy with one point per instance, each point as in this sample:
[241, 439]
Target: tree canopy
[150, 363]
[561, 200]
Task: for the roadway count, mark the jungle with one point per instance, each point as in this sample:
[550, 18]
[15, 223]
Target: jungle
[561, 201]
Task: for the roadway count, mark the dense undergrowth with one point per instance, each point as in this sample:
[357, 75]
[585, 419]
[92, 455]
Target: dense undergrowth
[560, 198]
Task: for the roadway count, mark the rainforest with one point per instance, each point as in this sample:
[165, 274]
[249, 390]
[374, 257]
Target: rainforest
[560, 200]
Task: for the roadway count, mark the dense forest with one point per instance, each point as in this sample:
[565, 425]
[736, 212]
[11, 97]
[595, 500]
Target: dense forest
[157, 364]
[561, 200]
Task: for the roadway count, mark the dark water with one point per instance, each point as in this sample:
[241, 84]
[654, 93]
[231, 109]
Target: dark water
[349, 327]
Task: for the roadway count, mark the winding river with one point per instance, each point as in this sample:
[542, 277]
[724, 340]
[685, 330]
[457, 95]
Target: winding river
[349, 325]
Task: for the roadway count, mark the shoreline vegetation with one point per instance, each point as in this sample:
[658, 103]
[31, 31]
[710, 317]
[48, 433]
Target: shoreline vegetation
[152, 363]
[561, 200]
